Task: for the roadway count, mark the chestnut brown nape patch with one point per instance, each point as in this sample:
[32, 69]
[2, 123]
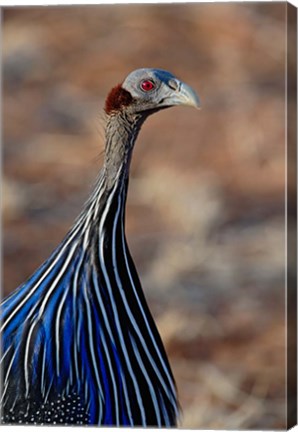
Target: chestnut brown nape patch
[117, 98]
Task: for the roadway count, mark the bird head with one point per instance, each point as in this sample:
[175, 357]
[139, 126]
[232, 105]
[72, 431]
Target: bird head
[150, 90]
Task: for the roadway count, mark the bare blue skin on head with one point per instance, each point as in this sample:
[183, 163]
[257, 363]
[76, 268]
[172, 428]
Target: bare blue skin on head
[167, 91]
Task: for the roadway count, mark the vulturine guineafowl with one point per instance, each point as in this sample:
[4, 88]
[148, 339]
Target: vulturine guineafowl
[79, 345]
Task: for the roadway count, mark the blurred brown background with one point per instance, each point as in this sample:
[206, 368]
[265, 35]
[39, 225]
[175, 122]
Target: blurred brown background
[205, 218]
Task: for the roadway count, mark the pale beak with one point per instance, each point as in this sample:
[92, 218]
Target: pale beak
[187, 96]
[180, 93]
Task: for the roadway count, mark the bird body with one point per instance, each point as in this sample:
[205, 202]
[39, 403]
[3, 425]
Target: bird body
[79, 344]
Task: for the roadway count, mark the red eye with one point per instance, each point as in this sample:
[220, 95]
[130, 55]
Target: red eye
[147, 85]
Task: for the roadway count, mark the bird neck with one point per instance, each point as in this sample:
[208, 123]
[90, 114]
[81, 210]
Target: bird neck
[109, 195]
[121, 132]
